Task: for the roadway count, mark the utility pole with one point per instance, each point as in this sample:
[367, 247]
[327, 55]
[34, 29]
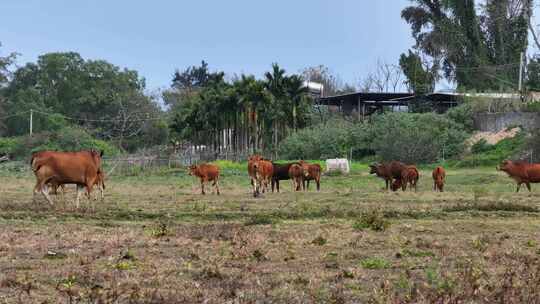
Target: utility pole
[520, 85]
[31, 120]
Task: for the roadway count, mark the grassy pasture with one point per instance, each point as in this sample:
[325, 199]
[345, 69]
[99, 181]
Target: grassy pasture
[155, 239]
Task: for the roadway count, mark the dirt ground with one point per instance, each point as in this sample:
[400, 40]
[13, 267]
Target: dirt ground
[156, 240]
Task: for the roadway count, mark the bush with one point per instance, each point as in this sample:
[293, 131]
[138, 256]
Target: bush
[462, 115]
[481, 146]
[329, 140]
[412, 138]
[417, 138]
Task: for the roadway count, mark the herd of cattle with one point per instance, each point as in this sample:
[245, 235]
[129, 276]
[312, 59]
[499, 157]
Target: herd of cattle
[55, 169]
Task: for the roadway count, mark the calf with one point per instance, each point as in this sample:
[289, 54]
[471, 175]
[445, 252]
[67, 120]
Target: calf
[522, 172]
[280, 172]
[296, 173]
[312, 172]
[439, 176]
[206, 173]
[100, 182]
[263, 176]
[388, 171]
[251, 169]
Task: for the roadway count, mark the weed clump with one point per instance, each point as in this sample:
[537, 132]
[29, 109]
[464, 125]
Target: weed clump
[375, 263]
[373, 220]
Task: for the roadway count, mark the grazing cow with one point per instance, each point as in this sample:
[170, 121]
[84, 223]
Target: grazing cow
[264, 171]
[281, 172]
[522, 172]
[206, 173]
[388, 171]
[312, 172]
[58, 168]
[439, 176]
[296, 172]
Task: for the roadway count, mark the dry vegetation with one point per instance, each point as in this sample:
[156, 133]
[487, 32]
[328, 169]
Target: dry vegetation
[155, 240]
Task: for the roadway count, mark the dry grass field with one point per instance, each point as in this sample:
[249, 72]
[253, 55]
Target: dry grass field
[156, 240]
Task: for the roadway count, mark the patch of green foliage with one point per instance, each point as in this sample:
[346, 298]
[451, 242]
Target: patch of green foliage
[484, 154]
[375, 263]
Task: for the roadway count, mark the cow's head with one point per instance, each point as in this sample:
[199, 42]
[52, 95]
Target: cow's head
[192, 169]
[505, 166]
[305, 167]
[374, 168]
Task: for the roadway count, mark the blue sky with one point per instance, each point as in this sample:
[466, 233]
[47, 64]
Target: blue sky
[237, 36]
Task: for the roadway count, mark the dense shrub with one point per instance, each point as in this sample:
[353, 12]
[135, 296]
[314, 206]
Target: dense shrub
[66, 139]
[463, 115]
[412, 138]
[328, 140]
[417, 138]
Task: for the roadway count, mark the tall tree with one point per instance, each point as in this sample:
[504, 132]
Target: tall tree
[477, 46]
[5, 63]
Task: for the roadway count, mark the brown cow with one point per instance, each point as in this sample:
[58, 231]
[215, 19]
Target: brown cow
[522, 172]
[280, 172]
[100, 182]
[263, 176]
[296, 173]
[388, 171]
[57, 168]
[409, 176]
[312, 172]
[251, 169]
[206, 173]
[439, 176]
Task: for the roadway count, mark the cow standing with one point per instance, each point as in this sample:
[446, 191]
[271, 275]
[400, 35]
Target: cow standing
[312, 172]
[522, 172]
[251, 169]
[296, 173]
[439, 176]
[206, 173]
[58, 168]
[263, 176]
[280, 172]
[409, 176]
[388, 171]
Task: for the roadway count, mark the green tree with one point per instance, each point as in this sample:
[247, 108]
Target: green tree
[477, 46]
[93, 94]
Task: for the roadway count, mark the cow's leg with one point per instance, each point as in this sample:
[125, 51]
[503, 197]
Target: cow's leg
[45, 191]
[387, 184]
[216, 183]
[202, 187]
[528, 186]
[318, 181]
[80, 190]
[518, 187]
[307, 184]
[277, 185]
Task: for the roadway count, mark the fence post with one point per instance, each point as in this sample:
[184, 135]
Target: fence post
[31, 121]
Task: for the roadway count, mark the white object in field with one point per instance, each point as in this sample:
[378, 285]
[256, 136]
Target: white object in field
[338, 164]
